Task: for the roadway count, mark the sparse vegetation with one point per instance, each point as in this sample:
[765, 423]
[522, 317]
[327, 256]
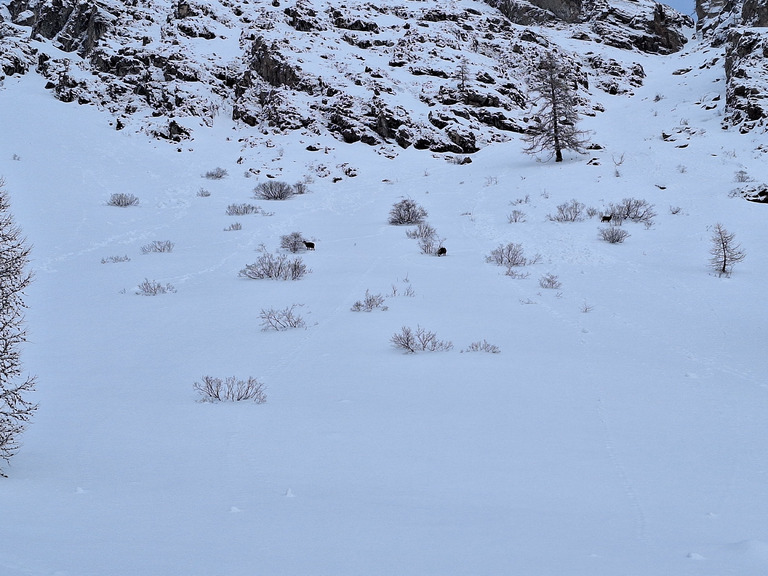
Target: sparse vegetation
[419, 341]
[568, 212]
[233, 226]
[482, 346]
[242, 209]
[369, 303]
[634, 209]
[613, 234]
[516, 216]
[203, 193]
[216, 174]
[273, 190]
[122, 200]
[153, 288]
[231, 389]
[115, 259]
[407, 212]
[550, 282]
[158, 246]
[510, 255]
[293, 242]
[285, 319]
[275, 267]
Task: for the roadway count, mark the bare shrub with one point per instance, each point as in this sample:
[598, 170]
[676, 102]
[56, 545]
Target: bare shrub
[419, 341]
[516, 216]
[122, 200]
[483, 346]
[157, 246]
[407, 211]
[725, 251]
[203, 193]
[300, 188]
[568, 212]
[524, 200]
[293, 242]
[634, 209]
[233, 226]
[369, 303]
[742, 176]
[550, 282]
[675, 209]
[242, 209]
[285, 319]
[115, 259]
[510, 255]
[273, 190]
[517, 275]
[423, 230]
[231, 389]
[613, 234]
[216, 174]
[276, 267]
[592, 212]
[153, 288]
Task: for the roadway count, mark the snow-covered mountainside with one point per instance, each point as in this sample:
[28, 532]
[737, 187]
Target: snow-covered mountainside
[438, 76]
[597, 410]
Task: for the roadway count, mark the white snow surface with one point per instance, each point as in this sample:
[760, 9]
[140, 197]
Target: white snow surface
[620, 431]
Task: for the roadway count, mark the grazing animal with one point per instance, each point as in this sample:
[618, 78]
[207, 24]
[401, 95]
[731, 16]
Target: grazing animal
[442, 251]
[309, 245]
[606, 218]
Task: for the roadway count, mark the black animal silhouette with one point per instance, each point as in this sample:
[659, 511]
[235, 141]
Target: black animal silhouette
[442, 251]
[309, 245]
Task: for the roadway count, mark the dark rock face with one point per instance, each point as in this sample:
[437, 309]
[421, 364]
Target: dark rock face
[746, 67]
[755, 13]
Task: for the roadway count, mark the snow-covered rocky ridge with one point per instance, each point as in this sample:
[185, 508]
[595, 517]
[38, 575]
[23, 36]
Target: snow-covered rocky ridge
[438, 76]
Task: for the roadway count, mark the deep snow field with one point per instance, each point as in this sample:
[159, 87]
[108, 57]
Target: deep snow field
[621, 431]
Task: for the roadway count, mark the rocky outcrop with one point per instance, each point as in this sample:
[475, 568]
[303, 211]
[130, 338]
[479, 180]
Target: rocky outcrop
[746, 67]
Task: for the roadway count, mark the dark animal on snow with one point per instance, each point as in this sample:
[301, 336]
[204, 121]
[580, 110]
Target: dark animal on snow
[309, 245]
[442, 251]
[606, 218]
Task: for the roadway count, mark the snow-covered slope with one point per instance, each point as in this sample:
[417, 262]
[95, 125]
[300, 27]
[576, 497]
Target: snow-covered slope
[620, 430]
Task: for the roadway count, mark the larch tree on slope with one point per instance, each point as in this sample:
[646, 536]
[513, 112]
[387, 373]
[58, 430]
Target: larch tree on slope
[725, 251]
[15, 407]
[556, 113]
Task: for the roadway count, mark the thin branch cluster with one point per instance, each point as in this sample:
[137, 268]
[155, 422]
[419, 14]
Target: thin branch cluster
[230, 389]
[275, 267]
[420, 340]
[16, 409]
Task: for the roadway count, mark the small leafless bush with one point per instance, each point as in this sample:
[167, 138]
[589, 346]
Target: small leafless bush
[293, 242]
[273, 190]
[516, 216]
[276, 267]
[513, 273]
[510, 255]
[369, 303]
[216, 174]
[483, 346]
[115, 259]
[157, 246]
[407, 211]
[231, 389]
[423, 230]
[568, 212]
[613, 234]
[300, 188]
[122, 200]
[742, 176]
[242, 209]
[153, 288]
[592, 212]
[524, 200]
[280, 320]
[550, 282]
[634, 209]
[419, 341]
[203, 193]
[675, 209]
[586, 308]
[233, 226]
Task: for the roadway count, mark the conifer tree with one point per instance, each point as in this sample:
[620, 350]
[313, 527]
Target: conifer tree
[556, 130]
[725, 251]
[15, 407]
